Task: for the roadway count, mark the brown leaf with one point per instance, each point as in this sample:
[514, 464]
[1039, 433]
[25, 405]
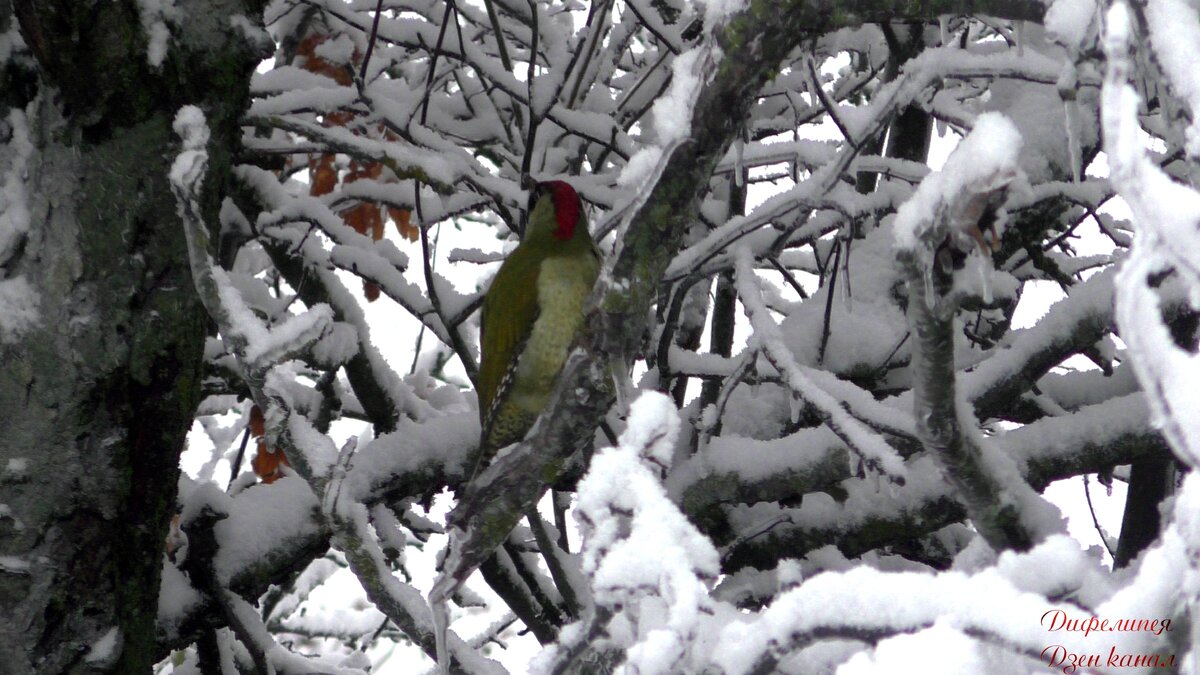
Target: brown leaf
[356, 218]
[257, 422]
[322, 175]
[313, 63]
[268, 463]
[359, 170]
[376, 222]
[403, 220]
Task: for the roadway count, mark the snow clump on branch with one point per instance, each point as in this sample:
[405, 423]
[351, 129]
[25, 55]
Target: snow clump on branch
[646, 562]
[982, 163]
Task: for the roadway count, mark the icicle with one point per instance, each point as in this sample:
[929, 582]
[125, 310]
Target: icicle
[441, 627]
[982, 264]
[1071, 111]
[1019, 36]
[1068, 81]
[739, 147]
[623, 386]
[930, 292]
[944, 28]
[796, 406]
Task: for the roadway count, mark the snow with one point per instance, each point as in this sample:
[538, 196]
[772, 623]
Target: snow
[750, 460]
[16, 468]
[177, 598]
[984, 161]
[938, 650]
[868, 444]
[155, 15]
[717, 11]
[14, 201]
[672, 113]
[104, 648]
[439, 443]
[864, 316]
[861, 600]
[11, 42]
[1096, 425]
[1175, 35]
[338, 346]
[623, 511]
[189, 166]
[11, 564]
[18, 309]
[262, 520]
[1089, 303]
[253, 33]
[19, 301]
[1166, 213]
[640, 167]
[1070, 21]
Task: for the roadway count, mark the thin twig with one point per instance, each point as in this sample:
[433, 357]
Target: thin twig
[498, 34]
[456, 341]
[831, 275]
[433, 59]
[674, 49]
[534, 118]
[362, 75]
[1087, 492]
[787, 276]
[815, 85]
[237, 461]
[557, 572]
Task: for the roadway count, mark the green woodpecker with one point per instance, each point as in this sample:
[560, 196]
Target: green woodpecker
[531, 313]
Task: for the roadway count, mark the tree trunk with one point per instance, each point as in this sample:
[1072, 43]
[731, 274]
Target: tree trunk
[99, 382]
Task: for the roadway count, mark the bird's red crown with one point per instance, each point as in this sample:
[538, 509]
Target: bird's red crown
[567, 206]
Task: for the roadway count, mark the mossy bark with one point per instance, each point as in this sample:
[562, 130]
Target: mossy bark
[97, 395]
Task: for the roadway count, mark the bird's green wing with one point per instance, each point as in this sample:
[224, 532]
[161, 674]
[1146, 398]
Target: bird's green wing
[505, 324]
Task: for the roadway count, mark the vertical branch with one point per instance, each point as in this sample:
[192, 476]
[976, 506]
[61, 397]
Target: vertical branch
[942, 215]
[530, 77]
[558, 571]
[831, 274]
[362, 75]
[460, 346]
[497, 33]
[724, 312]
[433, 59]
[720, 337]
[939, 426]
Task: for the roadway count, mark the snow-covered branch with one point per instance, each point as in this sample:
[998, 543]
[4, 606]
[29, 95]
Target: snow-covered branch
[946, 214]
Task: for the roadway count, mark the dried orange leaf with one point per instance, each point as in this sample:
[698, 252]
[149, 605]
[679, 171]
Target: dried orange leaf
[257, 422]
[375, 220]
[356, 218]
[268, 463]
[322, 175]
[403, 220]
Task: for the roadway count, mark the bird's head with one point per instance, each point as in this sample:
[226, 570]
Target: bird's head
[557, 211]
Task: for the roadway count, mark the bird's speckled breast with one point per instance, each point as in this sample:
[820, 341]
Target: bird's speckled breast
[563, 287]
